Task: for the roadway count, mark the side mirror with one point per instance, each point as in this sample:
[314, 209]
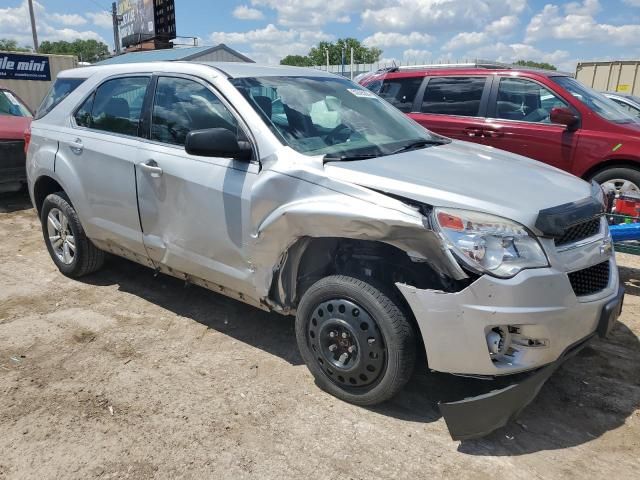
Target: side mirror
[564, 116]
[217, 142]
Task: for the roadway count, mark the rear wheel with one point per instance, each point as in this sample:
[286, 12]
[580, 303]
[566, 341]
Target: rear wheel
[356, 342]
[620, 179]
[71, 250]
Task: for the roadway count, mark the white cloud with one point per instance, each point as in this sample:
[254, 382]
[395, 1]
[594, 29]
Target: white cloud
[305, 13]
[577, 23]
[67, 19]
[509, 53]
[633, 3]
[244, 12]
[15, 25]
[442, 15]
[466, 40]
[101, 19]
[497, 29]
[270, 44]
[416, 55]
[392, 39]
[503, 26]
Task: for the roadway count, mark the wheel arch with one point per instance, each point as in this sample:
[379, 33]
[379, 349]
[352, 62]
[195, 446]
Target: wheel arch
[43, 186]
[312, 258]
[610, 163]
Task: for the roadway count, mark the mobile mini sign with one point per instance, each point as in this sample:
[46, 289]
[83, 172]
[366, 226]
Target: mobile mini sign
[24, 67]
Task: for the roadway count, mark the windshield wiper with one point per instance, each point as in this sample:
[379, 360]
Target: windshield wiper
[346, 158]
[417, 144]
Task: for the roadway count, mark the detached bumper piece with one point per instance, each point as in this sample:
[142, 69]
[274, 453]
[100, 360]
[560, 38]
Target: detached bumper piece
[478, 416]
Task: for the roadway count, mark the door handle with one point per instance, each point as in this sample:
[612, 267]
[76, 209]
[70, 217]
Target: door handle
[474, 132]
[76, 146]
[151, 167]
[493, 133]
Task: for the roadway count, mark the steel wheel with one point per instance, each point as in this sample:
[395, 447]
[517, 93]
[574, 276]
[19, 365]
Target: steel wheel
[61, 237]
[347, 342]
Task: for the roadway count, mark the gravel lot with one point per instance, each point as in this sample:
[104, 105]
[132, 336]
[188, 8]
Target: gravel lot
[123, 375]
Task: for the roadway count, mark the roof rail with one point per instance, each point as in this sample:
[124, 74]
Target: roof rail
[473, 64]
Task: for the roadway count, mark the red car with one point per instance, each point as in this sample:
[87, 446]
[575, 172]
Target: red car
[15, 118]
[545, 115]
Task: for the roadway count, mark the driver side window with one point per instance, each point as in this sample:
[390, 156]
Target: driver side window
[525, 101]
[181, 105]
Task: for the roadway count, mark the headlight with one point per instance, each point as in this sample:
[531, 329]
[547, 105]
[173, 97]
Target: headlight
[489, 244]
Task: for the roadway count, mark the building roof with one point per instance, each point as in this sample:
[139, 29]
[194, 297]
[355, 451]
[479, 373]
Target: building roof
[170, 54]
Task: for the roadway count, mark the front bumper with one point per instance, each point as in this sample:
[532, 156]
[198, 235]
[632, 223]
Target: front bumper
[539, 305]
[479, 415]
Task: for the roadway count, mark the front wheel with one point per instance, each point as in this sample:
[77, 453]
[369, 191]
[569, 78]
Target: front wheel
[355, 340]
[620, 179]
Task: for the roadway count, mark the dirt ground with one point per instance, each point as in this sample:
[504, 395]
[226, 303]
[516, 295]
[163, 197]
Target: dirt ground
[123, 375]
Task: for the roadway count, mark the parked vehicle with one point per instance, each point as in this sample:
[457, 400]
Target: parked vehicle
[15, 117]
[302, 193]
[546, 115]
[630, 103]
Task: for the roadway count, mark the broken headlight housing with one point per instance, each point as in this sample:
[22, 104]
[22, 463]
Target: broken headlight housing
[489, 244]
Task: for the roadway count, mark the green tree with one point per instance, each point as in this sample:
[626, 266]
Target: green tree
[318, 54]
[532, 64]
[86, 50]
[297, 61]
[9, 45]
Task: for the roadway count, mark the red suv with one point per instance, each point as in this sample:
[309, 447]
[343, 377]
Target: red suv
[545, 115]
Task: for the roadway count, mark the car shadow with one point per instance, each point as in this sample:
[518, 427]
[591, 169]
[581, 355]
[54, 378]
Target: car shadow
[270, 332]
[591, 394]
[14, 202]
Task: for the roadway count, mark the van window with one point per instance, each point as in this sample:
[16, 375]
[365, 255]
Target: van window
[453, 96]
[181, 105]
[61, 88]
[400, 92]
[526, 101]
[117, 105]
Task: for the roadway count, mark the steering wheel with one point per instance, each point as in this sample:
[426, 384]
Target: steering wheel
[337, 135]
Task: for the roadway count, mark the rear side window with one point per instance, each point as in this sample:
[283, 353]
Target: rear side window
[400, 92]
[453, 96]
[10, 105]
[117, 105]
[58, 92]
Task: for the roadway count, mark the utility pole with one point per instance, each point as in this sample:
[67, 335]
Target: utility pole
[33, 27]
[116, 21]
[326, 50]
[351, 70]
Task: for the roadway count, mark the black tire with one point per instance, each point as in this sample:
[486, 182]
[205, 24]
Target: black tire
[618, 173]
[385, 322]
[87, 258]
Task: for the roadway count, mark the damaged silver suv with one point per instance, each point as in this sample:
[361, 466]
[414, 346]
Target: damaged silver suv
[302, 193]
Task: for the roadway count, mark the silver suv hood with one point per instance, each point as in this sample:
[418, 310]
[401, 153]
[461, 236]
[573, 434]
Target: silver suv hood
[467, 175]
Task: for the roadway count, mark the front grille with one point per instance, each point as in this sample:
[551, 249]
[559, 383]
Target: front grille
[590, 280]
[579, 231]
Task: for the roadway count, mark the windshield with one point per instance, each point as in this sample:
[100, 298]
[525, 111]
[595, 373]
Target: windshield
[603, 106]
[332, 116]
[11, 105]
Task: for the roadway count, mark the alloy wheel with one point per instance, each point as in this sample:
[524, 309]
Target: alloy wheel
[61, 236]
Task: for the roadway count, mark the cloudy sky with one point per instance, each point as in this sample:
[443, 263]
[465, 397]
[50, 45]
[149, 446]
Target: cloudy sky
[556, 31]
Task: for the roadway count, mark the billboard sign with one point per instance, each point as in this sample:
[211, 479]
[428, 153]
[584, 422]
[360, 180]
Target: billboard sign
[138, 21]
[24, 67]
